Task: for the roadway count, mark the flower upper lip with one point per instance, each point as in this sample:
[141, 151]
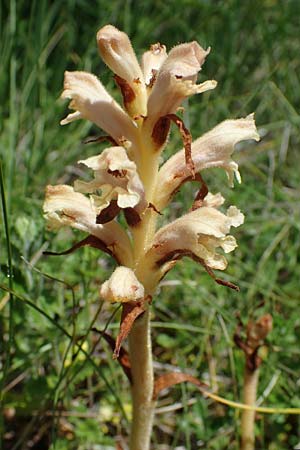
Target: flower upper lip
[117, 52]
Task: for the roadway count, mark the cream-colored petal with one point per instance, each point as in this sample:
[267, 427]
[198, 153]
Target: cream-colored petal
[152, 61]
[198, 233]
[213, 149]
[213, 200]
[115, 175]
[122, 286]
[176, 80]
[185, 60]
[65, 207]
[171, 92]
[91, 101]
[116, 50]
[235, 216]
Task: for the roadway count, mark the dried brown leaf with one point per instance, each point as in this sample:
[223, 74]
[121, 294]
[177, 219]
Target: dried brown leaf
[130, 312]
[170, 379]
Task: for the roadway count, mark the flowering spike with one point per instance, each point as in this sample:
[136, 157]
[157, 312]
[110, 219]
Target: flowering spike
[127, 177]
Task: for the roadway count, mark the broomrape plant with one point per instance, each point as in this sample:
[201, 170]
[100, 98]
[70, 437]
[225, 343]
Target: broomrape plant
[128, 177]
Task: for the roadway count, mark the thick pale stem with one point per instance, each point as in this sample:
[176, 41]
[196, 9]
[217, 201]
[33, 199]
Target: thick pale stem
[140, 348]
[248, 417]
[140, 351]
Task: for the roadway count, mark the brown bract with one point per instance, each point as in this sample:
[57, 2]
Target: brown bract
[256, 333]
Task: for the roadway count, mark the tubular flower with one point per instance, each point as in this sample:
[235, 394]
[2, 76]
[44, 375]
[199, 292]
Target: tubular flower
[117, 179]
[213, 149]
[176, 80]
[116, 51]
[65, 207]
[173, 83]
[91, 101]
[197, 234]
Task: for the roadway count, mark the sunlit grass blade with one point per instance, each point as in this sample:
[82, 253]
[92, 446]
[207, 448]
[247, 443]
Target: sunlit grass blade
[9, 274]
